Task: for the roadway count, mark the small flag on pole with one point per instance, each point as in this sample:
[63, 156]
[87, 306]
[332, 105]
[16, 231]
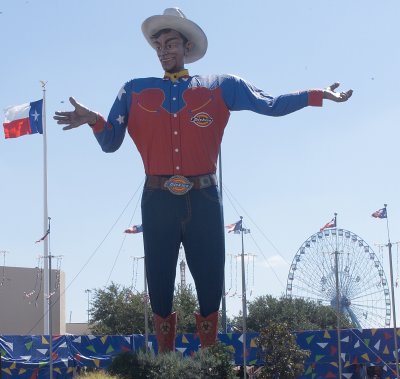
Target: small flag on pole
[44, 237]
[23, 119]
[330, 224]
[134, 229]
[380, 213]
[236, 227]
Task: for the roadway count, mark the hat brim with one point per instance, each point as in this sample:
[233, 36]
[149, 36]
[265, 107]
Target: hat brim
[189, 29]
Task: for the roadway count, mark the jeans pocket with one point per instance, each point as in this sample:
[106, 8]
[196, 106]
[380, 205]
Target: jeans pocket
[147, 195]
[211, 194]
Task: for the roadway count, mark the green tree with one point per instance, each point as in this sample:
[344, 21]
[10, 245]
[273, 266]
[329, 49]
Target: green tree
[117, 310]
[298, 314]
[282, 356]
[185, 305]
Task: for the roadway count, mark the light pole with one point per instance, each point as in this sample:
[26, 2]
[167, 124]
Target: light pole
[88, 304]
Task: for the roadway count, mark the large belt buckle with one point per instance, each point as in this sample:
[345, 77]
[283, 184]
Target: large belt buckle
[178, 185]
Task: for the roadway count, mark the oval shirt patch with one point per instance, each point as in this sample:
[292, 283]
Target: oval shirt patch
[202, 119]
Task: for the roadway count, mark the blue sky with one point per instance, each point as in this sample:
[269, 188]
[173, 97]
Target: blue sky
[286, 176]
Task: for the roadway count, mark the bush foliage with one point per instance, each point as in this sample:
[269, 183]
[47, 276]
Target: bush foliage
[213, 362]
[283, 358]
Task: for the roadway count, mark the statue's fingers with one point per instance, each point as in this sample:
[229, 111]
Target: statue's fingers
[73, 102]
[333, 86]
[62, 118]
[70, 126]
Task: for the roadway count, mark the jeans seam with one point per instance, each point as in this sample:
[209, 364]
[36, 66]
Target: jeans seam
[189, 213]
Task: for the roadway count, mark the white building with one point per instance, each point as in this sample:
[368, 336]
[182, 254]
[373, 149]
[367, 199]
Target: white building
[22, 301]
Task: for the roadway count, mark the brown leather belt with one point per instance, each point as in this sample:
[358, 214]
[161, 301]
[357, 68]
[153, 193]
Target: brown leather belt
[179, 185]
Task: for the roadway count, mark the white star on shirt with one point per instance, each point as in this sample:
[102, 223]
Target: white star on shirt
[120, 119]
[121, 92]
[35, 115]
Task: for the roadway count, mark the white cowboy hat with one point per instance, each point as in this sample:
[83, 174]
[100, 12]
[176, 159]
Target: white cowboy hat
[173, 18]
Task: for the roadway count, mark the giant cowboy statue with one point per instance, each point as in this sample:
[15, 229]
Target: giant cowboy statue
[177, 123]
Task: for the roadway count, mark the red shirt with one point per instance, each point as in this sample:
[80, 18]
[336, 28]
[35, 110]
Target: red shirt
[177, 124]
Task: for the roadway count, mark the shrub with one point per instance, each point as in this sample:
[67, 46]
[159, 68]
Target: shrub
[213, 362]
[129, 365]
[216, 361]
[95, 375]
[283, 358]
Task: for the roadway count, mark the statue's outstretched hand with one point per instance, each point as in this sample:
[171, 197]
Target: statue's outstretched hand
[79, 116]
[330, 94]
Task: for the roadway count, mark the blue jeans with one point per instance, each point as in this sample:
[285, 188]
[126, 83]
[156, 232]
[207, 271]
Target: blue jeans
[195, 220]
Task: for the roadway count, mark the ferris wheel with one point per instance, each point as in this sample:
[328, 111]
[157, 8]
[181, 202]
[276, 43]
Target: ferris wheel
[363, 288]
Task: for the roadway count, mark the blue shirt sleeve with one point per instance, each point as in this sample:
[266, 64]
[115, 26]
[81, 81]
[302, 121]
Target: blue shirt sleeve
[111, 136]
[240, 95]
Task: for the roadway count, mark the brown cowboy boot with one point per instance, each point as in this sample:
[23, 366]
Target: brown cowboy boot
[207, 327]
[165, 332]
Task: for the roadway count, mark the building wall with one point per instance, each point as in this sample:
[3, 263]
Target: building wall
[22, 302]
[77, 328]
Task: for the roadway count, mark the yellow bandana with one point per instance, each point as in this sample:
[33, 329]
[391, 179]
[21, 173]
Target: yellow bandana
[176, 75]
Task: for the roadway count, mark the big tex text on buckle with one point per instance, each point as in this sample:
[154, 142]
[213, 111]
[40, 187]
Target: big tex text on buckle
[178, 185]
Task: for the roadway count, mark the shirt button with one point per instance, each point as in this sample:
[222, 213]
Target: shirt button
[175, 132]
[175, 115]
[175, 85]
[177, 167]
[176, 150]
[174, 98]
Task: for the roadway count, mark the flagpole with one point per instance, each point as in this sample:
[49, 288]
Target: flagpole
[145, 301]
[50, 307]
[46, 289]
[396, 353]
[338, 303]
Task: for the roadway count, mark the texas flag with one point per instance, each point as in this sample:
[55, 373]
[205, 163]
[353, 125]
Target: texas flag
[380, 213]
[134, 229]
[23, 119]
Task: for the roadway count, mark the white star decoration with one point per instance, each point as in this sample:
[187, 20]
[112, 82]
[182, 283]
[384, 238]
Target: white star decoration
[36, 115]
[120, 119]
[121, 92]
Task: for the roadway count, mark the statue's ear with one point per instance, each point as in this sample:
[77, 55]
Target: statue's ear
[188, 46]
